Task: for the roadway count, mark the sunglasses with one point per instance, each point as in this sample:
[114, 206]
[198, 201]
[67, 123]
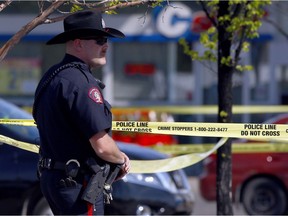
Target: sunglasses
[99, 41]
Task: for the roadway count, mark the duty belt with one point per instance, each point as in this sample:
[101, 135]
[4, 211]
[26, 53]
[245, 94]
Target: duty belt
[48, 163]
[100, 181]
[71, 167]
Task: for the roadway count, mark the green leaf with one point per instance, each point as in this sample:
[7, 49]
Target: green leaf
[245, 46]
[75, 8]
[223, 114]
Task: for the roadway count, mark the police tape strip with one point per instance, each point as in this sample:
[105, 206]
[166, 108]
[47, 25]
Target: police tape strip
[19, 144]
[182, 110]
[225, 130]
[20, 122]
[232, 130]
[138, 166]
[239, 148]
[174, 163]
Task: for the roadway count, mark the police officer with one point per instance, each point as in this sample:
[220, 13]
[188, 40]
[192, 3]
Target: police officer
[73, 118]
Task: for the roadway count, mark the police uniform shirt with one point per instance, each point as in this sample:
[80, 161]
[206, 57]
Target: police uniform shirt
[71, 110]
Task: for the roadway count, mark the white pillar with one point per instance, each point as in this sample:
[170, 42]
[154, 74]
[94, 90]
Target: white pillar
[246, 91]
[108, 76]
[172, 68]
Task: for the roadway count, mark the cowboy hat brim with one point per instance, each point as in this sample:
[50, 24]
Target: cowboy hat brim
[82, 33]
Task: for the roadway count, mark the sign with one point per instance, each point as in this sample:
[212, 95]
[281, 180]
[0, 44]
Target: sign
[174, 20]
[19, 76]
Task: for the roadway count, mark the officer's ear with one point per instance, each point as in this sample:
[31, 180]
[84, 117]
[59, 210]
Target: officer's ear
[78, 44]
[75, 47]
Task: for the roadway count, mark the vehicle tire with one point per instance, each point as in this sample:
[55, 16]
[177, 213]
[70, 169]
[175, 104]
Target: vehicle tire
[264, 196]
[42, 208]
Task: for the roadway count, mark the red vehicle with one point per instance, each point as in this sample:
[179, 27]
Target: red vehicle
[259, 180]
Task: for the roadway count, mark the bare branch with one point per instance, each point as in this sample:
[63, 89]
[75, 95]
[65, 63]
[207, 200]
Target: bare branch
[41, 6]
[207, 14]
[42, 18]
[237, 11]
[28, 28]
[242, 37]
[5, 4]
[127, 4]
[277, 26]
[89, 5]
[103, 9]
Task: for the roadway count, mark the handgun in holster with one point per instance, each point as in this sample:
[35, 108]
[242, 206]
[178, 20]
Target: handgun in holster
[100, 182]
[96, 183]
[114, 172]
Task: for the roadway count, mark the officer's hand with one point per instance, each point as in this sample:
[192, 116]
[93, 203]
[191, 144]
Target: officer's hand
[125, 168]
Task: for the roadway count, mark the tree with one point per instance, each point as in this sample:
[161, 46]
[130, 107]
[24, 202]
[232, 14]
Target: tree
[234, 22]
[45, 11]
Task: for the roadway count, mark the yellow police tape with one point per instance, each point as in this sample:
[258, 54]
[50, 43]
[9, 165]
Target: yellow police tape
[232, 130]
[138, 166]
[239, 148]
[21, 122]
[22, 145]
[225, 130]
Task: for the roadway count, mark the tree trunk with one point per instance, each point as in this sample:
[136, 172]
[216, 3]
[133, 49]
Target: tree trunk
[225, 72]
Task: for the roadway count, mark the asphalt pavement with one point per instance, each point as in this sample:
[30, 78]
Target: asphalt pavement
[203, 207]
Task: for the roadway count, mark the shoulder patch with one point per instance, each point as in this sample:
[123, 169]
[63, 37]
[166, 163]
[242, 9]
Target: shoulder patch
[95, 95]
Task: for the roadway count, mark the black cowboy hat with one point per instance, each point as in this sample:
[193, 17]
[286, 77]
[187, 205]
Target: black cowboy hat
[84, 24]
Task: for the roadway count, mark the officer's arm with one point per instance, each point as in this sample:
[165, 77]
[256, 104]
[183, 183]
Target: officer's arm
[106, 148]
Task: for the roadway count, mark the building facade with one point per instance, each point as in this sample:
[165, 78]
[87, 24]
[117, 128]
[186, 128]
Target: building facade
[149, 67]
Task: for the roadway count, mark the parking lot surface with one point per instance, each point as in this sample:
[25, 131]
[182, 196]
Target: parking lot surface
[203, 207]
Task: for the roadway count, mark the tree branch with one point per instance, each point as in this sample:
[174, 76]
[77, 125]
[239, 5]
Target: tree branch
[237, 11]
[28, 28]
[103, 9]
[242, 38]
[42, 18]
[207, 13]
[127, 4]
[277, 26]
[5, 4]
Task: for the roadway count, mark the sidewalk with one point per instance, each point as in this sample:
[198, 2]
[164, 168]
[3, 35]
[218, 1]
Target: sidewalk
[203, 207]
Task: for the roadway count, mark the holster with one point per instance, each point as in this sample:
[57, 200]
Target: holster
[114, 172]
[96, 183]
[101, 181]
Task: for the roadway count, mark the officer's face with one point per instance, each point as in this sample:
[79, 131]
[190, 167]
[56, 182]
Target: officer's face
[94, 54]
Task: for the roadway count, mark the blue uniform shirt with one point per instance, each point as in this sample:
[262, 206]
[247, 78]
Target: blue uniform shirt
[70, 111]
